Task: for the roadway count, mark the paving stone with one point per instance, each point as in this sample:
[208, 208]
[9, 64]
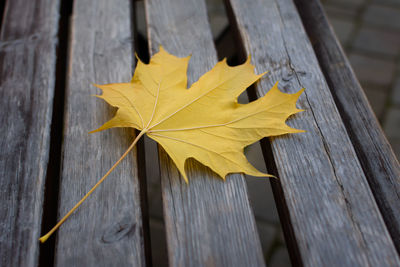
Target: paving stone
[227, 47]
[377, 98]
[395, 98]
[140, 18]
[343, 28]
[335, 11]
[383, 16]
[262, 199]
[217, 17]
[393, 3]
[267, 233]
[372, 70]
[254, 156]
[153, 179]
[395, 143]
[159, 254]
[356, 3]
[218, 24]
[353, 5]
[280, 258]
[378, 41]
[392, 123]
[281, 237]
[260, 192]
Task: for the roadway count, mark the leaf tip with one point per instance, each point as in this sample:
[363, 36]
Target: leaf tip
[261, 174]
[301, 91]
[298, 131]
[275, 86]
[136, 56]
[185, 178]
[259, 76]
[97, 130]
[274, 177]
[248, 60]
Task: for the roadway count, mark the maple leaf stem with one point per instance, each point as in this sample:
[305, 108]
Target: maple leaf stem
[46, 236]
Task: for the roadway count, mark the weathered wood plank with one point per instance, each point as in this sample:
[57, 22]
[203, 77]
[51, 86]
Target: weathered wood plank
[379, 163]
[335, 218]
[27, 80]
[208, 222]
[107, 230]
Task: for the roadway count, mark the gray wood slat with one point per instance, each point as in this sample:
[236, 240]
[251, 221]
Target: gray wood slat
[27, 80]
[107, 229]
[335, 218]
[380, 165]
[208, 222]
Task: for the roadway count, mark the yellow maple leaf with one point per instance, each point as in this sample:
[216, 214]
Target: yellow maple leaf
[204, 122]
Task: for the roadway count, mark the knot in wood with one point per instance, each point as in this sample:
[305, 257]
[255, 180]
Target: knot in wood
[118, 230]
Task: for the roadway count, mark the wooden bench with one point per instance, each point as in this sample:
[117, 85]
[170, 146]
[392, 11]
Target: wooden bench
[339, 187]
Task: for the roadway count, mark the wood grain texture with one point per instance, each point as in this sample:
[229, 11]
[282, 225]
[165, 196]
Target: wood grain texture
[107, 229]
[27, 80]
[379, 163]
[334, 215]
[208, 222]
